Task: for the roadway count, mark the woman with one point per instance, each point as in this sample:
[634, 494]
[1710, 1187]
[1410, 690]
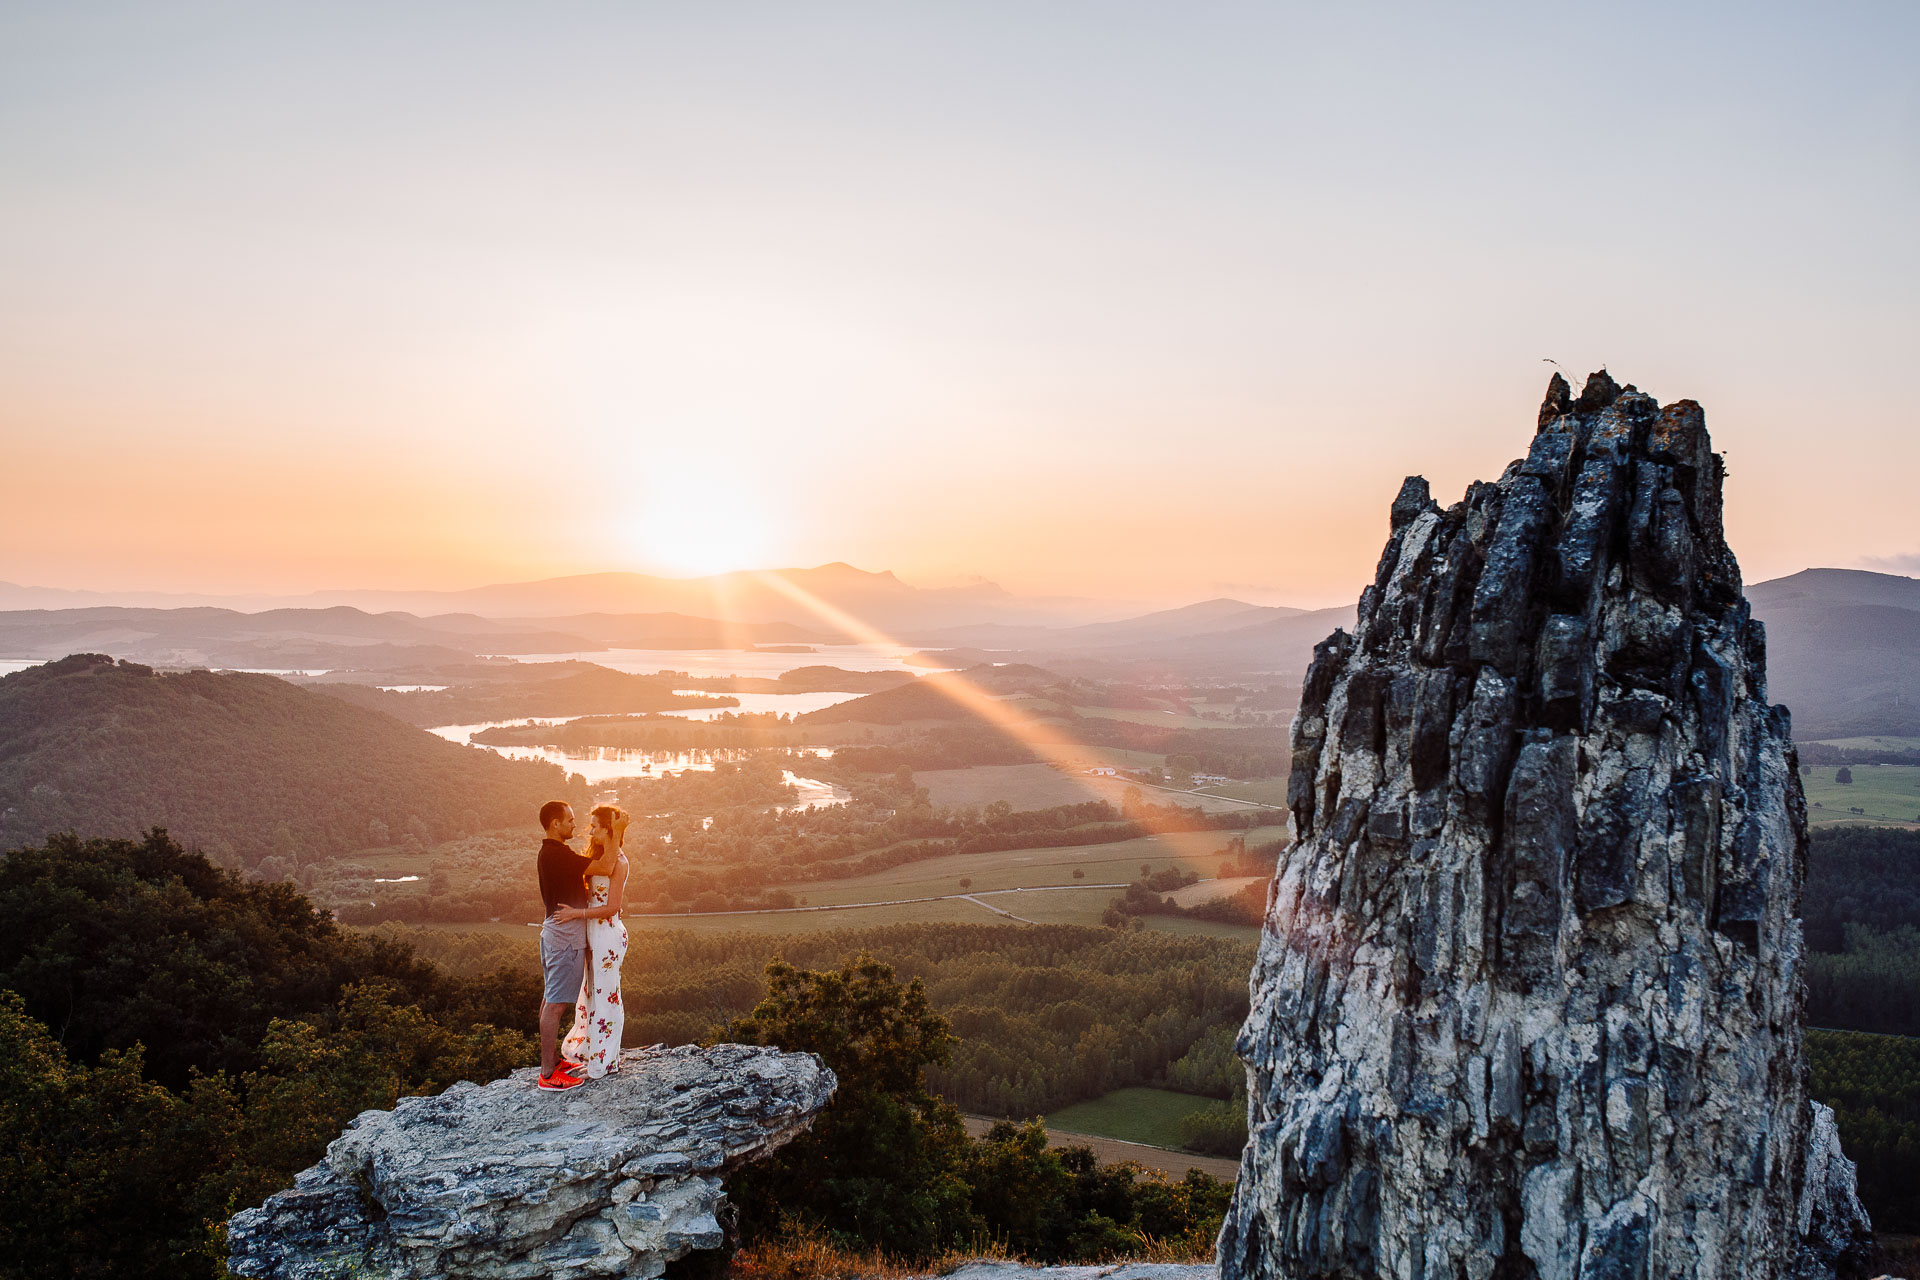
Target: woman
[598, 1017]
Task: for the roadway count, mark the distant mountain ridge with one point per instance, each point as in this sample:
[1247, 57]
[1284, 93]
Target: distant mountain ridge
[344, 637]
[1844, 643]
[878, 600]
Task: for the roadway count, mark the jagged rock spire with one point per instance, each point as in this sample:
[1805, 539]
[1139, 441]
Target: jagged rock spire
[1528, 996]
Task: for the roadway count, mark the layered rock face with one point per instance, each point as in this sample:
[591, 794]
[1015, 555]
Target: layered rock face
[616, 1178]
[1528, 995]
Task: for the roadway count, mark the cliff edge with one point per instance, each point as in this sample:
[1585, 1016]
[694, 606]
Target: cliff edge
[1529, 991]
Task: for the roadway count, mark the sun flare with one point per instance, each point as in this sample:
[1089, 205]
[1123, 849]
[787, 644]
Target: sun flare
[703, 532]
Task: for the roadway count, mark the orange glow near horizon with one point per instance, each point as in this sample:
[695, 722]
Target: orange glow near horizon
[1151, 309]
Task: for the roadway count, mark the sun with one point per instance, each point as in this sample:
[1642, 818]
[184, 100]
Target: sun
[704, 530]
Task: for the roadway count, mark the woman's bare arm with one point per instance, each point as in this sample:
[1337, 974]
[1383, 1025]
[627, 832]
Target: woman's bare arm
[616, 893]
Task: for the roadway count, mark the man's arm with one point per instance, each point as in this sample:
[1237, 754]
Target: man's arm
[604, 864]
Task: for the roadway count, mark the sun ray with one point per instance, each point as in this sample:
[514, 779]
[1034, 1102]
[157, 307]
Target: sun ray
[1046, 741]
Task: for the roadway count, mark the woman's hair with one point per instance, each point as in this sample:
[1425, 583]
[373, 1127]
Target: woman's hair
[612, 817]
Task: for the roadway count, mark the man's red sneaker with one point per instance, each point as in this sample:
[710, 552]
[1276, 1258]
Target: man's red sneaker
[559, 1080]
[567, 1065]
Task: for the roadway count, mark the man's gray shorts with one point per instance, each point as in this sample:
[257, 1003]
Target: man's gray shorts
[565, 966]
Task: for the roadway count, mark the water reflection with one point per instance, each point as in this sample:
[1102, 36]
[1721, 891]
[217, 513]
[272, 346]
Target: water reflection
[779, 704]
[608, 764]
[740, 662]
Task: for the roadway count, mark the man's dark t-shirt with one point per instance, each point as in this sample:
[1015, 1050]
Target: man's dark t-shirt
[563, 876]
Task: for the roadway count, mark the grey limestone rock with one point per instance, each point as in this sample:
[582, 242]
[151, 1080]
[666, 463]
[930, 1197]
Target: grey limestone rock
[616, 1178]
[1528, 996]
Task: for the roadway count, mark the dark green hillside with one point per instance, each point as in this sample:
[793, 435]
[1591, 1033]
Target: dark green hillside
[1846, 670]
[243, 766]
[908, 704]
[925, 700]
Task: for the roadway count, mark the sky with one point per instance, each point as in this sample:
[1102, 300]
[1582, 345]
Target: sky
[1155, 302]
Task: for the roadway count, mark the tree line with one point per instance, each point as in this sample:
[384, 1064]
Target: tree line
[1047, 1015]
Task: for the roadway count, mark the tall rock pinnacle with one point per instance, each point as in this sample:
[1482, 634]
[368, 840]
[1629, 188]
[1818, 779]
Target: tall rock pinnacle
[1528, 996]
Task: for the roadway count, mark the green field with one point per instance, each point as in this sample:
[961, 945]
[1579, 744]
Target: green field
[1057, 906]
[1888, 795]
[950, 911]
[1114, 862]
[1024, 786]
[1151, 1116]
[1271, 791]
[1113, 757]
[1116, 789]
[1164, 719]
[990, 876]
[1873, 744]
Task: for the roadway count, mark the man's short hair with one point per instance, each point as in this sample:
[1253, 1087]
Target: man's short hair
[551, 810]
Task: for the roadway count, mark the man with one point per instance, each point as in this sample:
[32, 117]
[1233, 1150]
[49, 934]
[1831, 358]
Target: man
[563, 934]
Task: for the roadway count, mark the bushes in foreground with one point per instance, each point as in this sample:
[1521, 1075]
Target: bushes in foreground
[889, 1167]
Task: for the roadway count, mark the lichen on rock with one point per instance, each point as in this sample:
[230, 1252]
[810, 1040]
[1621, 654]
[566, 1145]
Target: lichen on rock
[506, 1182]
[1529, 991]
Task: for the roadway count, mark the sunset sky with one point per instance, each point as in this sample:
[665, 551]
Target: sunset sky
[1145, 301]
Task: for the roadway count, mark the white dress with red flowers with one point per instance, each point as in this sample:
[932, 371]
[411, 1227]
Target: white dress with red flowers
[598, 1016]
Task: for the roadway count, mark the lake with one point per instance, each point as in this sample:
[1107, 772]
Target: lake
[780, 704]
[737, 662]
[609, 764]
[741, 662]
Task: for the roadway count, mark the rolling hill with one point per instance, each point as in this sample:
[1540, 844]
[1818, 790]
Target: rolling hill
[1843, 651]
[343, 638]
[244, 766]
[926, 699]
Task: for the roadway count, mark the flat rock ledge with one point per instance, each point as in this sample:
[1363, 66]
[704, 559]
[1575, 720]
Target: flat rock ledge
[506, 1182]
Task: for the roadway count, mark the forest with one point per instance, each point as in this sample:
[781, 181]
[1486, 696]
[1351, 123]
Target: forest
[176, 1042]
[1861, 909]
[212, 1033]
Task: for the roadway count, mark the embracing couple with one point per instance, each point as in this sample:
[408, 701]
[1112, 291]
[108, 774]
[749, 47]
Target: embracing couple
[582, 944]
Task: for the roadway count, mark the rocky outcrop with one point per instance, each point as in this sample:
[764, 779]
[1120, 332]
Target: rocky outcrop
[1528, 995]
[616, 1178]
